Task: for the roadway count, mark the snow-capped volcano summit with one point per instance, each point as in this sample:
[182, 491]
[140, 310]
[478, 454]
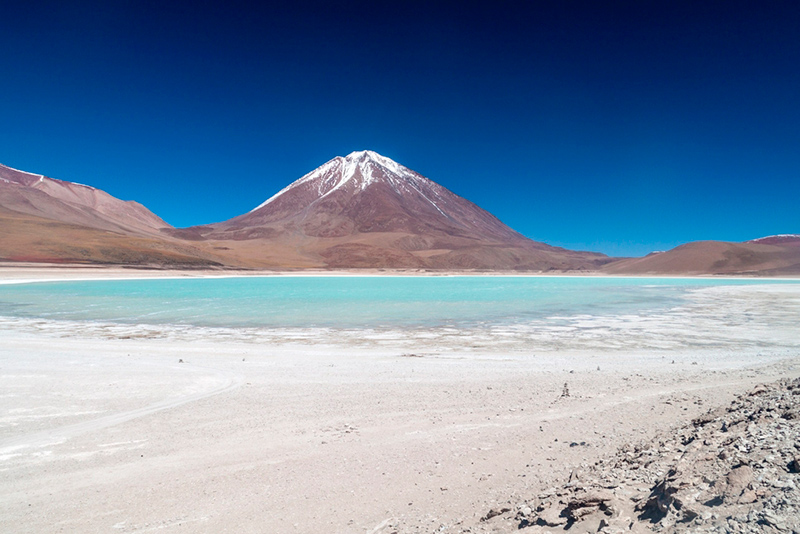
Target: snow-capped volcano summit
[360, 169]
[366, 210]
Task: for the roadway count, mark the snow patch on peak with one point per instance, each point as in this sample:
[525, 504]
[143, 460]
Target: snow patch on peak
[43, 179]
[361, 168]
[368, 155]
[81, 185]
[364, 164]
[23, 172]
[776, 236]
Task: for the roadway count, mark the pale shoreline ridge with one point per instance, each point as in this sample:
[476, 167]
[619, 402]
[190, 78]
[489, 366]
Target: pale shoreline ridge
[18, 274]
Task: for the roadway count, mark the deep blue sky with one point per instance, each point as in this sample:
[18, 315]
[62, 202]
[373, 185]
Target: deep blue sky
[622, 127]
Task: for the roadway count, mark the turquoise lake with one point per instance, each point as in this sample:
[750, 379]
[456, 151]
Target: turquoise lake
[351, 302]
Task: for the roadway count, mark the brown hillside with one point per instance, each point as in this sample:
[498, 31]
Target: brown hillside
[715, 257]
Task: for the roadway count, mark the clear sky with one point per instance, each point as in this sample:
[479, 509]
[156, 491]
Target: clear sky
[621, 127]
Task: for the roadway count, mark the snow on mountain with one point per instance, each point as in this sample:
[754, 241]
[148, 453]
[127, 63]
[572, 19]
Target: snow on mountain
[15, 176]
[362, 169]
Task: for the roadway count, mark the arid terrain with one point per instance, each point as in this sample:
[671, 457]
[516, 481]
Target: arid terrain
[132, 435]
[363, 211]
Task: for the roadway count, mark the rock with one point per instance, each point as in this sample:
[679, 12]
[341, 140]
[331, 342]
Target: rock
[591, 498]
[494, 512]
[748, 497]
[587, 503]
[791, 415]
[769, 517]
[794, 465]
[552, 517]
[736, 482]
[577, 514]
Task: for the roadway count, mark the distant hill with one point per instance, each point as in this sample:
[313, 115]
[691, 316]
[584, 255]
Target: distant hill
[766, 256]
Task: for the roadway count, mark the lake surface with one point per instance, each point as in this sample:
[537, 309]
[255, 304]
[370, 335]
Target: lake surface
[346, 302]
[549, 311]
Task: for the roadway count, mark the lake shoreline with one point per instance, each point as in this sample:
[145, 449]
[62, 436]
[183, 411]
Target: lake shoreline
[11, 272]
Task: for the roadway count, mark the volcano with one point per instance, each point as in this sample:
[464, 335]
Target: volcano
[365, 210]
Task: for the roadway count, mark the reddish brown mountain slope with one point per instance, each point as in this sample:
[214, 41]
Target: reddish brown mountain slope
[772, 256]
[73, 203]
[365, 210]
[28, 238]
[784, 240]
[49, 220]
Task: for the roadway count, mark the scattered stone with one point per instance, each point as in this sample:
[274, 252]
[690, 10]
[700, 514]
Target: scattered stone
[732, 469]
[494, 512]
[736, 482]
[794, 465]
[587, 503]
[551, 517]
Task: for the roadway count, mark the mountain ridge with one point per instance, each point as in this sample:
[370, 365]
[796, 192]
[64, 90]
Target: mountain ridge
[39, 195]
[358, 211]
[49, 220]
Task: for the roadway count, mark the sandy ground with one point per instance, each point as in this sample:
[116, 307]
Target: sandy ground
[208, 435]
